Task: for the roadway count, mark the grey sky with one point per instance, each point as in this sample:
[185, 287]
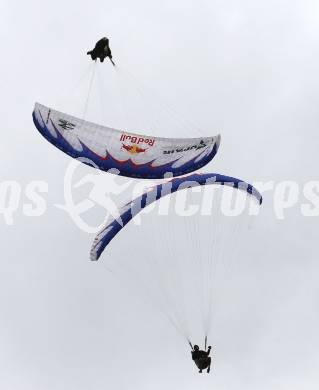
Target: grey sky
[248, 70]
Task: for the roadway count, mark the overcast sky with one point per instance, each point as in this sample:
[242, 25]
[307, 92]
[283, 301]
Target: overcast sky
[247, 69]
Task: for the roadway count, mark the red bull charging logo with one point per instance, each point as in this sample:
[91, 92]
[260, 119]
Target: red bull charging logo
[133, 149]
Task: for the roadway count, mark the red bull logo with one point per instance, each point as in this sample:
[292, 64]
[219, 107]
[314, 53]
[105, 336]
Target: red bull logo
[133, 149]
[137, 140]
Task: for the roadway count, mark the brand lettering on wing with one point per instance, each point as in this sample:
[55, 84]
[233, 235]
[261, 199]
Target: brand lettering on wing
[201, 145]
[137, 140]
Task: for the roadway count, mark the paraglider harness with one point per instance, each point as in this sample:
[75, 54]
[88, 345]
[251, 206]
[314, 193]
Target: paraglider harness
[101, 50]
[201, 358]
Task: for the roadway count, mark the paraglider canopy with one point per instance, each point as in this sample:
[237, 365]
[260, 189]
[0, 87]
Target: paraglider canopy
[131, 154]
[132, 208]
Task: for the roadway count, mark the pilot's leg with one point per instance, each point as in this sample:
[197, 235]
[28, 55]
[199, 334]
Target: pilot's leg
[208, 368]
